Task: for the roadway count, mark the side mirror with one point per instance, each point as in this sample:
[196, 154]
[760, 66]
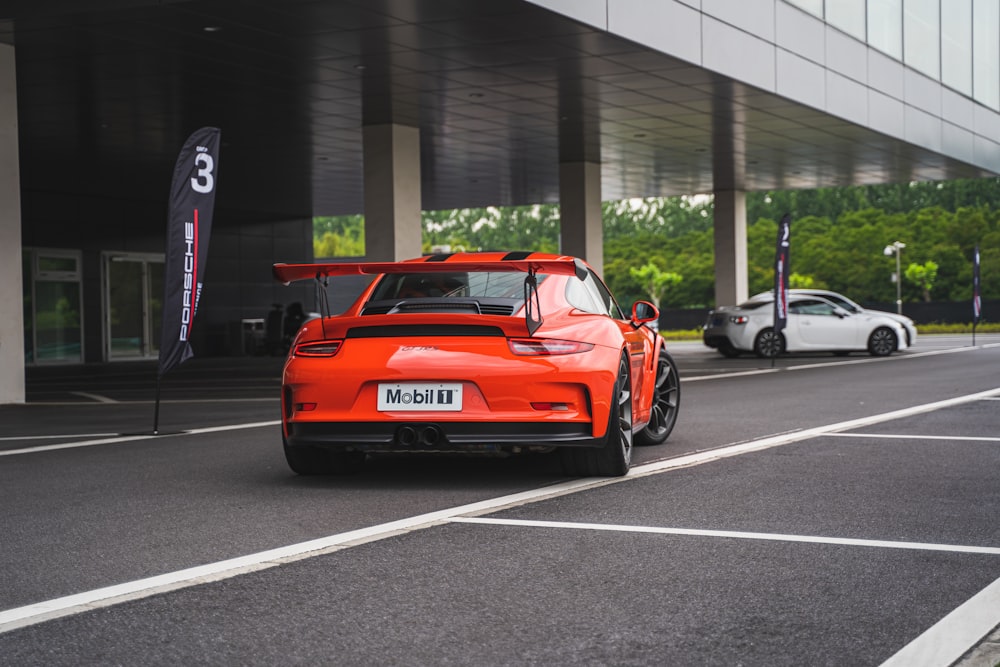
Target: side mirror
[644, 311]
[840, 312]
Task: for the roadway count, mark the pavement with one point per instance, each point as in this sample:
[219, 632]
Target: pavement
[55, 393]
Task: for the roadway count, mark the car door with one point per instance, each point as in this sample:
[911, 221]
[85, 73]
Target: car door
[822, 326]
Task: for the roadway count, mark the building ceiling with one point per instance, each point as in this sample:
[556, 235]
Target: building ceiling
[502, 91]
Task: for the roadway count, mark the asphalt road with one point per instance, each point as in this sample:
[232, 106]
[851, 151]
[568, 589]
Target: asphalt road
[818, 510]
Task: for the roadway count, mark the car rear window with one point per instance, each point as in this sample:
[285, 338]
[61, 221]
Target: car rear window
[755, 304]
[492, 284]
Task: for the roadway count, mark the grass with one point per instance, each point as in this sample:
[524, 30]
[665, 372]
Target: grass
[935, 328]
[682, 334]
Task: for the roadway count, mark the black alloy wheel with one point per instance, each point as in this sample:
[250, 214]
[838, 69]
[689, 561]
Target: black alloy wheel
[882, 342]
[769, 343]
[666, 402]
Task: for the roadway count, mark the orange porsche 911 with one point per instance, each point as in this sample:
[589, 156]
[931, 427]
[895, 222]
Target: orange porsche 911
[476, 353]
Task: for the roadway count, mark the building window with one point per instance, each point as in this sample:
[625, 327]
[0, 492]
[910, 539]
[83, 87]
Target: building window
[847, 15]
[53, 330]
[956, 46]
[986, 53]
[921, 36]
[885, 26]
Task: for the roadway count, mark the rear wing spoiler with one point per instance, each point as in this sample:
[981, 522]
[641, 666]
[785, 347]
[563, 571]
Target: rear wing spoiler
[567, 266]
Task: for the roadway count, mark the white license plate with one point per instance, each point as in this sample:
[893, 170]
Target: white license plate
[416, 397]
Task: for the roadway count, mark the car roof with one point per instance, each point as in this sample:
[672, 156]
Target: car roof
[766, 297]
[795, 291]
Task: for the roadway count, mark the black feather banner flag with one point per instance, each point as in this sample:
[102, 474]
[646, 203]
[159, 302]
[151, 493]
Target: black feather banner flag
[189, 226]
[781, 264]
[977, 304]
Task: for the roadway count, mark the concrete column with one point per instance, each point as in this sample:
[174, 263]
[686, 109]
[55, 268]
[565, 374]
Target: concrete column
[11, 296]
[580, 225]
[392, 192]
[731, 286]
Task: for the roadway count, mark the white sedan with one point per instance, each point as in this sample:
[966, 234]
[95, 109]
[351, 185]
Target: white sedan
[814, 325]
[909, 328]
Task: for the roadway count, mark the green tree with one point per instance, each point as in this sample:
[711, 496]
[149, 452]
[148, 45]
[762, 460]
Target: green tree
[797, 280]
[838, 235]
[923, 275]
[654, 281]
[339, 236]
[534, 227]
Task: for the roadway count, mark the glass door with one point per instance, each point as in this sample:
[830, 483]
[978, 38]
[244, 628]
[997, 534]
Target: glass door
[133, 296]
[53, 320]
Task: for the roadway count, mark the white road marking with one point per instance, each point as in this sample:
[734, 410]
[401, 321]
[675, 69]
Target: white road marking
[111, 595]
[56, 435]
[761, 371]
[133, 438]
[94, 397]
[172, 401]
[847, 362]
[104, 597]
[950, 638]
[974, 438]
[805, 434]
[774, 537]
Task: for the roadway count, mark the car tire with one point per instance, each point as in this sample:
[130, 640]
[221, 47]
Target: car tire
[614, 458]
[882, 342]
[768, 343]
[320, 461]
[665, 404]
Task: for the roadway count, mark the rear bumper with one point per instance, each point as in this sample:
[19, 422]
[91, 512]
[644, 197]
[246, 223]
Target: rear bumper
[716, 340]
[438, 436]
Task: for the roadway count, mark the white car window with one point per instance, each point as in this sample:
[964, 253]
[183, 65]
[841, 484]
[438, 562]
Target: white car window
[591, 296]
[812, 307]
[610, 306]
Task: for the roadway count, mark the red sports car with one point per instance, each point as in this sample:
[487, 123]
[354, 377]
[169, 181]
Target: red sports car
[489, 353]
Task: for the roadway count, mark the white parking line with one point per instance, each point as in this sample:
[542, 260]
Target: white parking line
[134, 590]
[165, 401]
[111, 595]
[846, 362]
[131, 438]
[900, 436]
[950, 638]
[917, 436]
[56, 435]
[94, 397]
[774, 537]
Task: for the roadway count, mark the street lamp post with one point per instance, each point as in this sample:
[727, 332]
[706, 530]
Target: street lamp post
[894, 249]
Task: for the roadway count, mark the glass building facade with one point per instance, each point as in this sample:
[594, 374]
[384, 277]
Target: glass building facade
[955, 42]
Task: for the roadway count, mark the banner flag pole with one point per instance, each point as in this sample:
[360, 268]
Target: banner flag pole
[156, 410]
[781, 264]
[189, 226]
[977, 304]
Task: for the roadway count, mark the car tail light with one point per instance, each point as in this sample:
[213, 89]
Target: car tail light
[555, 407]
[543, 347]
[321, 348]
[739, 319]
